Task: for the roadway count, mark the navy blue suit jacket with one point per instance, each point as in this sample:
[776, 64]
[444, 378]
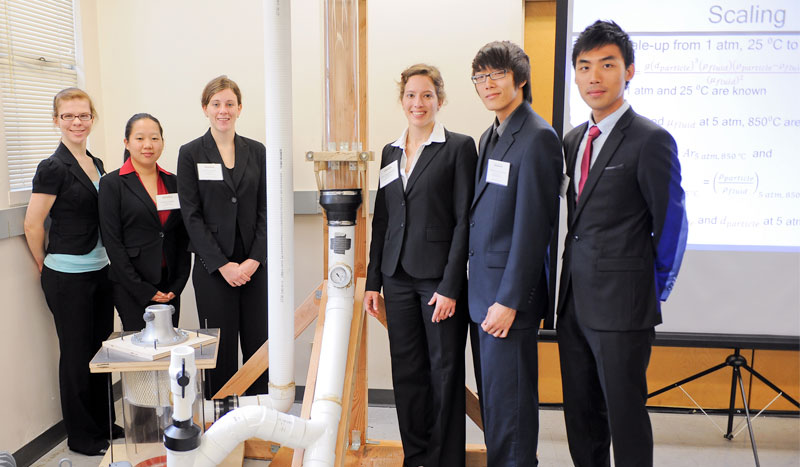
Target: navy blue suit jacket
[511, 226]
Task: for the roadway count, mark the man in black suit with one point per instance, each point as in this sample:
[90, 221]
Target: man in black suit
[627, 233]
[511, 223]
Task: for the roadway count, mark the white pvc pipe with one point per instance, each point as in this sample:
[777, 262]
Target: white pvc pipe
[280, 201]
[253, 422]
[254, 418]
[182, 359]
[327, 406]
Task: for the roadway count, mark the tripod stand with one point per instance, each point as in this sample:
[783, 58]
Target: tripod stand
[738, 363]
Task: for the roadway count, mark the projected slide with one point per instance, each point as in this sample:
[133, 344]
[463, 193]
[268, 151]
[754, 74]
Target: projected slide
[724, 78]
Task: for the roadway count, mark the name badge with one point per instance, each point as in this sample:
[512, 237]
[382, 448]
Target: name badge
[497, 172]
[389, 174]
[209, 171]
[167, 202]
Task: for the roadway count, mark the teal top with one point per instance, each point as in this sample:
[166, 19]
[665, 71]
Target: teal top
[95, 260]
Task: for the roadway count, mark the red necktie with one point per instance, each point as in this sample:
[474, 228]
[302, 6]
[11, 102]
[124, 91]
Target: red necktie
[594, 132]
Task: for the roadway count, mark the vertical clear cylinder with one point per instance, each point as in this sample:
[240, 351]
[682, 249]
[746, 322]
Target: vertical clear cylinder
[341, 90]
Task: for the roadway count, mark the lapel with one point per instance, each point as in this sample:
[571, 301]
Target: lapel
[482, 154]
[396, 186]
[573, 143]
[75, 169]
[242, 159]
[518, 118]
[132, 182]
[171, 183]
[609, 148]
[213, 156]
[424, 159]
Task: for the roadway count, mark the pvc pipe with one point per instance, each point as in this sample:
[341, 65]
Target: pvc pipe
[182, 364]
[180, 459]
[280, 201]
[327, 406]
[253, 422]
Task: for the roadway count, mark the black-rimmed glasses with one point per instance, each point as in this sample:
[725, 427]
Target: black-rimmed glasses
[495, 75]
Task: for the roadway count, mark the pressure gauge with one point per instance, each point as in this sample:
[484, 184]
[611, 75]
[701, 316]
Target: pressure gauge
[340, 275]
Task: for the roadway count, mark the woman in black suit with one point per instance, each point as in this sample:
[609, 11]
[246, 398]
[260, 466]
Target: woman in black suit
[419, 255]
[222, 191]
[142, 227]
[74, 269]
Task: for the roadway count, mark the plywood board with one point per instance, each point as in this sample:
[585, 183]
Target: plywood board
[111, 358]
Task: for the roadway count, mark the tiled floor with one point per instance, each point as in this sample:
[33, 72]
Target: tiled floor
[681, 440]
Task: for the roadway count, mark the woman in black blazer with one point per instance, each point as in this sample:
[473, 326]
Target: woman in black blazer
[222, 191]
[418, 255]
[74, 269]
[142, 227]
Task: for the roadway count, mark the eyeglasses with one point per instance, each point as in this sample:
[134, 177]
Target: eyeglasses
[71, 117]
[495, 75]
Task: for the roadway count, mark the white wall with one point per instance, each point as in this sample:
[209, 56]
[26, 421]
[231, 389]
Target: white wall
[155, 56]
[29, 349]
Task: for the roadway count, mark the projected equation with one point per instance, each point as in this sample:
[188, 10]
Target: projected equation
[730, 102]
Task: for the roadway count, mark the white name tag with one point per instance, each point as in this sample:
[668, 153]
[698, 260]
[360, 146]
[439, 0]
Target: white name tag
[497, 172]
[167, 202]
[209, 171]
[389, 174]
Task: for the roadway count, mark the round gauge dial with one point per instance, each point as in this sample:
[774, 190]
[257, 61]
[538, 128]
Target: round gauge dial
[340, 275]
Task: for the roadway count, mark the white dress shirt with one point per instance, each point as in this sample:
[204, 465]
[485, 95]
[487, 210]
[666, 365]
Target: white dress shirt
[605, 126]
[437, 136]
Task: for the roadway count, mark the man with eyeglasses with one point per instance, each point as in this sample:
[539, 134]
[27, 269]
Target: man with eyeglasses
[511, 224]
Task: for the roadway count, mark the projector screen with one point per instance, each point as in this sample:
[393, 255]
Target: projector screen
[724, 79]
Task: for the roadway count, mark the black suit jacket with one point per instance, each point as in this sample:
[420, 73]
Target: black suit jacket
[511, 226]
[628, 231]
[424, 227]
[212, 209]
[135, 240]
[74, 227]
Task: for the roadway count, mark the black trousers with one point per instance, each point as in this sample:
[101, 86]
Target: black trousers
[83, 312]
[131, 310]
[427, 372]
[604, 381]
[239, 313]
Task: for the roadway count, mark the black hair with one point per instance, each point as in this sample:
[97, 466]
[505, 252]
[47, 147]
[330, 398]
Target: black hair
[506, 55]
[603, 33]
[129, 127]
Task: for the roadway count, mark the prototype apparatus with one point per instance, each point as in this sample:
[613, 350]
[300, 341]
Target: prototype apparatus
[340, 174]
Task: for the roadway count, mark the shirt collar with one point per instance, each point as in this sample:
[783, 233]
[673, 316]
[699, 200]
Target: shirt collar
[607, 124]
[500, 128]
[437, 136]
[127, 168]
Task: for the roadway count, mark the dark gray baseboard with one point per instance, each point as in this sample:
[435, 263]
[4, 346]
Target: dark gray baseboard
[40, 445]
[45, 442]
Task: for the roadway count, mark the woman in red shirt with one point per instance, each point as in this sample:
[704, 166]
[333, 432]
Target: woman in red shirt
[142, 227]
